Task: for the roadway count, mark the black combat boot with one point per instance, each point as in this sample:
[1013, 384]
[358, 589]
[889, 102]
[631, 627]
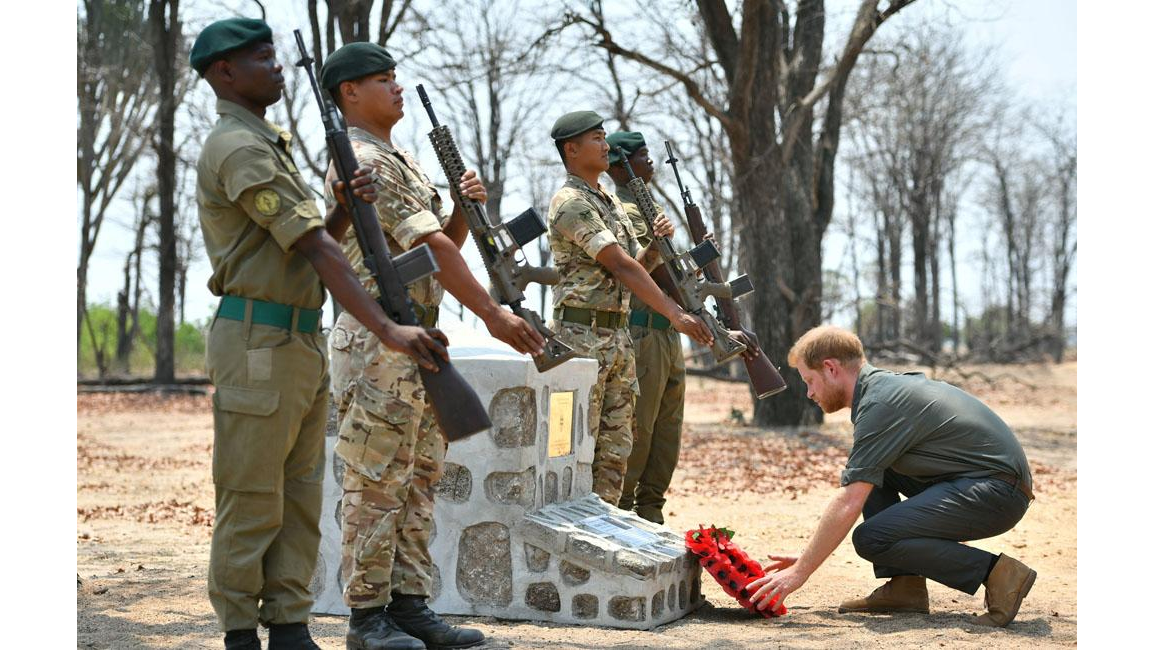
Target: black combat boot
[414, 616]
[242, 640]
[291, 636]
[372, 628]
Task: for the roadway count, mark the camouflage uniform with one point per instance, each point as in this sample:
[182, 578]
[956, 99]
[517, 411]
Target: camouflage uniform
[271, 376]
[662, 379]
[391, 444]
[583, 221]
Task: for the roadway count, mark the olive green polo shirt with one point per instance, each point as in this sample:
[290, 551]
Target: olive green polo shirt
[641, 230]
[928, 430]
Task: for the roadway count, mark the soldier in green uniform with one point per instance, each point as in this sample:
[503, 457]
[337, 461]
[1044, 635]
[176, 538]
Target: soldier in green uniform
[661, 368]
[601, 264]
[270, 254]
[392, 447]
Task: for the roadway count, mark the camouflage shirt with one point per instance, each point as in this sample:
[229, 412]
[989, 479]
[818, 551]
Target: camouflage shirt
[408, 208]
[583, 221]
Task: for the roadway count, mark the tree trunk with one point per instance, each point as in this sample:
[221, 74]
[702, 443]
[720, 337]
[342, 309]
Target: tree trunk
[163, 16]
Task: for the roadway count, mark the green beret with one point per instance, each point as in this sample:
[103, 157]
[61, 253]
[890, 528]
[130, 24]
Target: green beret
[224, 36]
[631, 141]
[354, 61]
[576, 123]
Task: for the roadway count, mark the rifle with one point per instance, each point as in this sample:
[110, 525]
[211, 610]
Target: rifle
[679, 277]
[499, 242]
[764, 376]
[458, 409]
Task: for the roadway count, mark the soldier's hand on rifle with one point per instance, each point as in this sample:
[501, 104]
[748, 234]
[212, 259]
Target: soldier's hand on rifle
[693, 327]
[518, 334]
[750, 341]
[663, 227]
[418, 342]
[363, 187]
[472, 187]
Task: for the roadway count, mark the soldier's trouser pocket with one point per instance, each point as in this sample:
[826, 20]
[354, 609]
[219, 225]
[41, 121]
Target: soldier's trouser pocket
[248, 442]
[343, 371]
[374, 428]
[266, 381]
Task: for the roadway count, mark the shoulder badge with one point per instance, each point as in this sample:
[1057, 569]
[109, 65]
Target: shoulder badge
[268, 202]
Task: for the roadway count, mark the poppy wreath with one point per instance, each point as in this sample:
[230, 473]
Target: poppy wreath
[729, 565]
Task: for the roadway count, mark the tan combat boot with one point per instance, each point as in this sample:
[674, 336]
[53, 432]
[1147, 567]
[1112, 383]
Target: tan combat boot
[1007, 586]
[899, 594]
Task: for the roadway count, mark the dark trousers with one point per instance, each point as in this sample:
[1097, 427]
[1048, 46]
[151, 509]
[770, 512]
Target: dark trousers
[920, 535]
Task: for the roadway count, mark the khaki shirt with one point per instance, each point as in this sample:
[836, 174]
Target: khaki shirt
[641, 230]
[253, 206]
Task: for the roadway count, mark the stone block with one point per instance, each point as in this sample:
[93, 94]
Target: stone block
[634, 564]
[585, 606]
[567, 483]
[543, 596]
[551, 487]
[572, 574]
[625, 608]
[511, 487]
[536, 559]
[658, 606]
[514, 415]
[456, 483]
[484, 565]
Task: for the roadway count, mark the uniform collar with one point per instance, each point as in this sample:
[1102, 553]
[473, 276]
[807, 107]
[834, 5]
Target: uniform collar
[859, 385]
[274, 133]
[575, 181]
[356, 132]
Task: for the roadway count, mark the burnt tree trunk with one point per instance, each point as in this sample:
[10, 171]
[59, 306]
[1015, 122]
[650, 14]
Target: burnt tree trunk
[166, 29]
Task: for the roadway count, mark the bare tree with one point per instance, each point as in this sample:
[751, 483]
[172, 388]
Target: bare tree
[706, 164]
[351, 18]
[482, 69]
[1063, 174]
[128, 299]
[920, 120]
[783, 174]
[853, 215]
[189, 243]
[890, 226]
[116, 98]
[698, 137]
[1017, 198]
[949, 205]
[99, 341]
[165, 26]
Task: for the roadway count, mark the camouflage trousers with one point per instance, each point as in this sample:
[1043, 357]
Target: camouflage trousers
[612, 400]
[657, 421]
[394, 453]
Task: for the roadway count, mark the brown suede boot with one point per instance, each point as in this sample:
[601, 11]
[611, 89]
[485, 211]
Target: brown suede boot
[899, 594]
[1007, 586]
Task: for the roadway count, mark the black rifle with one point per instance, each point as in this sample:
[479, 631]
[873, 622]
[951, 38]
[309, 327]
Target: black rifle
[499, 243]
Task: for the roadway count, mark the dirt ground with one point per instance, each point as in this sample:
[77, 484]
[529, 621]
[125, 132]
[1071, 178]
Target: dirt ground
[145, 510]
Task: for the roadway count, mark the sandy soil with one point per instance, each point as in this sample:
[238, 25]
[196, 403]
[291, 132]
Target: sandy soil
[145, 510]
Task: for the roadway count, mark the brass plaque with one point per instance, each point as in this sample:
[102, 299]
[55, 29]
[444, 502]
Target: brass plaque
[561, 424]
